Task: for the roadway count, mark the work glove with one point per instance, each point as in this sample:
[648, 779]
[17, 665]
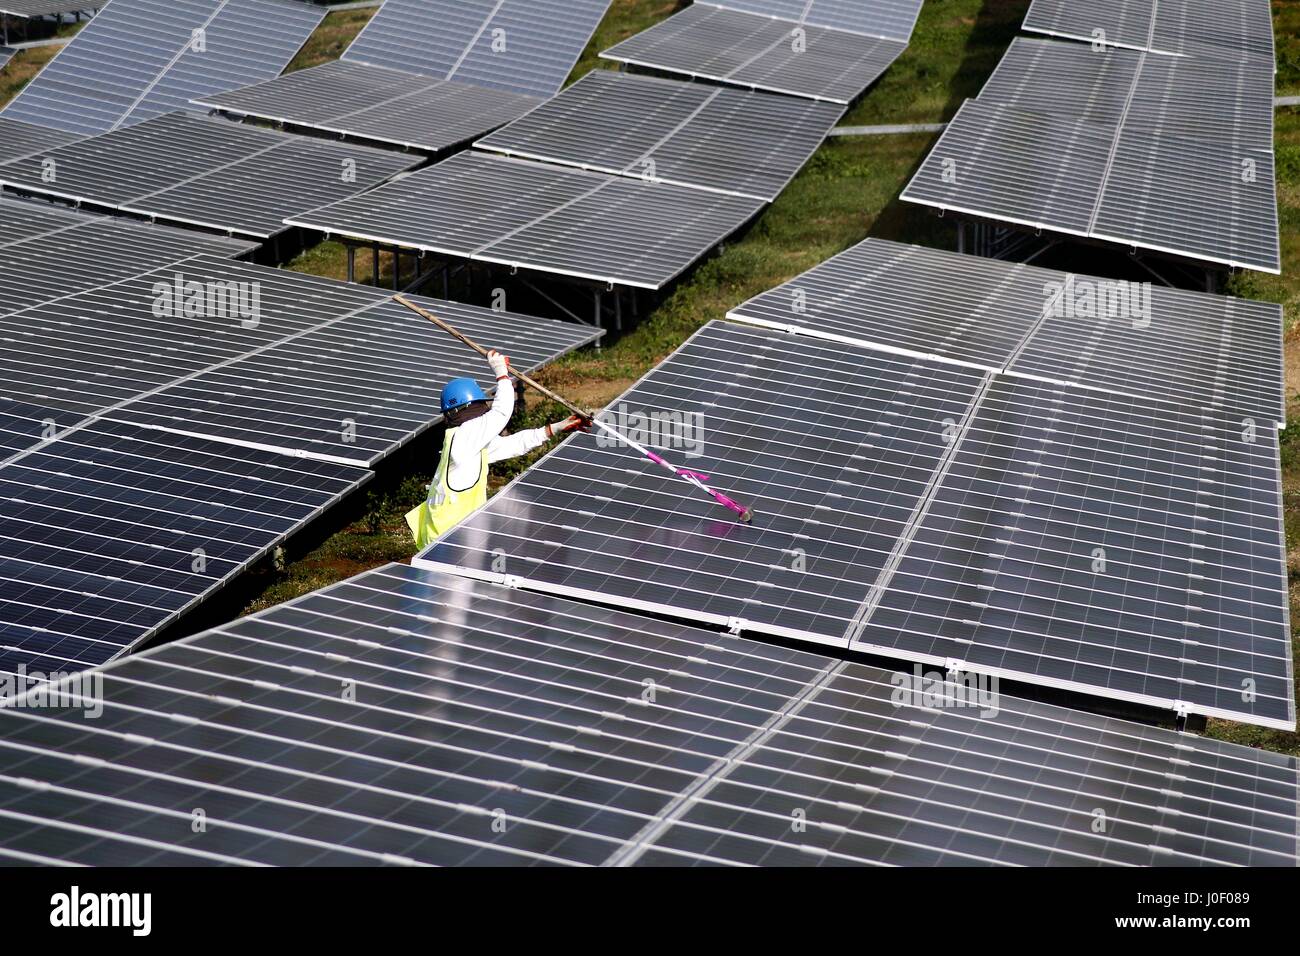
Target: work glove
[500, 364]
[570, 424]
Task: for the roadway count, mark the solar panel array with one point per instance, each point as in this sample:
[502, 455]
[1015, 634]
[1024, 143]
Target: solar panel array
[1129, 338]
[526, 47]
[18, 139]
[821, 50]
[112, 531]
[151, 418]
[491, 726]
[49, 252]
[1232, 28]
[743, 143]
[199, 171]
[376, 104]
[1171, 154]
[42, 8]
[6, 54]
[928, 511]
[138, 59]
[541, 217]
[430, 74]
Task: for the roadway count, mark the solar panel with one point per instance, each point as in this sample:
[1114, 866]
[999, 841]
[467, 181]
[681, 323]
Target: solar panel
[50, 252]
[351, 390]
[111, 531]
[194, 170]
[527, 47]
[42, 8]
[430, 74]
[856, 463]
[376, 104]
[1129, 548]
[1167, 154]
[319, 367]
[138, 59]
[882, 18]
[1179, 27]
[6, 54]
[18, 139]
[762, 53]
[742, 143]
[540, 217]
[491, 726]
[1198, 350]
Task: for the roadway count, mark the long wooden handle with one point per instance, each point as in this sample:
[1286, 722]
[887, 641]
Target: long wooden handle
[451, 330]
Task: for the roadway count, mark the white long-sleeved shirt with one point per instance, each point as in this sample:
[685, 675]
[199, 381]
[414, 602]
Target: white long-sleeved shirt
[485, 432]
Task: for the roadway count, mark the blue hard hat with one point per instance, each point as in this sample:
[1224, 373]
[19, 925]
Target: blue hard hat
[460, 392]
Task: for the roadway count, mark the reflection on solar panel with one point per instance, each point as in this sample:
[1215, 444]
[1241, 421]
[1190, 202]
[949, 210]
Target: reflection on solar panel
[1181, 27]
[376, 104]
[869, 501]
[111, 531]
[596, 737]
[316, 366]
[49, 252]
[804, 49]
[1169, 154]
[1203, 351]
[19, 139]
[540, 217]
[716, 138]
[138, 59]
[430, 74]
[194, 170]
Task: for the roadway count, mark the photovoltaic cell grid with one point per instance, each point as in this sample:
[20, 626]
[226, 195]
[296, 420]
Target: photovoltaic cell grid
[1231, 28]
[198, 171]
[474, 700]
[18, 139]
[928, 512]
[1127, 548]
[541, 217]
[6, 54]
[328, 370]
[808, 57]
[1185, 167]
[834, 452]
[111, 531]
[138, 59]
[526, 47]
[1196, 350]
[376, 104]
[431, 74]
[134, 434]
[49, 252]
[743, 143]
[41, 8]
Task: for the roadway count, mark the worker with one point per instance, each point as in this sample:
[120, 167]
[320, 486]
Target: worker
[474, 441]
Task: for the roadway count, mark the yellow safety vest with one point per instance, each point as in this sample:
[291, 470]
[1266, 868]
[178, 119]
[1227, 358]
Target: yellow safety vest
[446, 506]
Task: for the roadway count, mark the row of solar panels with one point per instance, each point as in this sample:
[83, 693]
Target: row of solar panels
[410, 718]
[1121, 539]
[168, 415]
[1167, 146]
